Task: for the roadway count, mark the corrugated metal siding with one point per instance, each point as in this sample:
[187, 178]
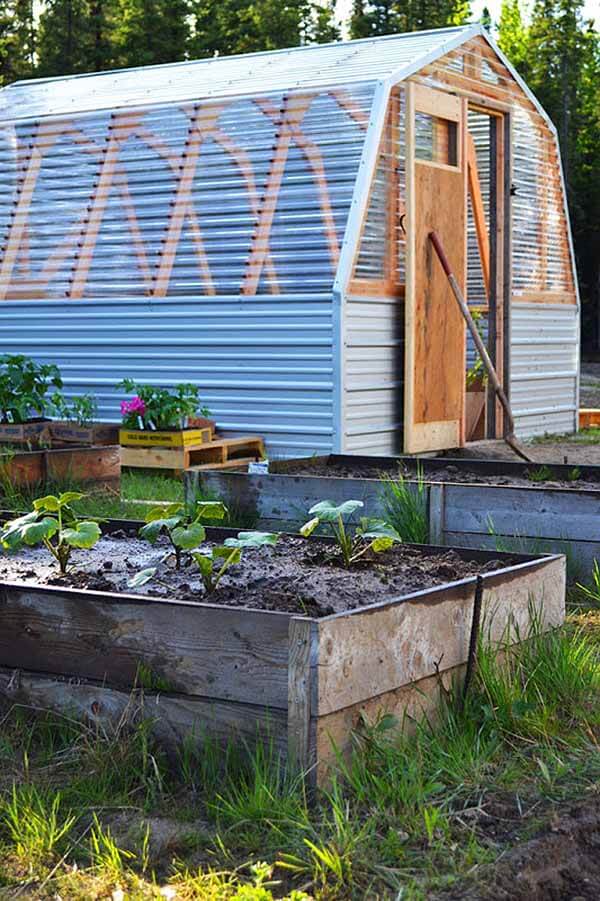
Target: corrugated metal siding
[373, 375]
[544, 368]
[300, 67]
[264, 365]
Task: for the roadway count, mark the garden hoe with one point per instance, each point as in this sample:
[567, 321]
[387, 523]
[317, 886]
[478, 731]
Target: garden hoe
[509, 432]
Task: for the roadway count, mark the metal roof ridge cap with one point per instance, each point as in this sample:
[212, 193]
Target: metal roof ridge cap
[464, 33]
[211, 59]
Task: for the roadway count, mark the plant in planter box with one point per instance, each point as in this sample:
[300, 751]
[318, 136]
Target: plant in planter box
[160, 408]
[53, 523]
[24, 384]
[81, 410]
[214, 562]
[184, 531]
[371, 534]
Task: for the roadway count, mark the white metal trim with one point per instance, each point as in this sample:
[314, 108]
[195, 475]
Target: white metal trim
[464, 34]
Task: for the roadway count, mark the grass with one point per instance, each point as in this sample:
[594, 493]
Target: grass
[404, 505]
[584, 436]
[409, 812]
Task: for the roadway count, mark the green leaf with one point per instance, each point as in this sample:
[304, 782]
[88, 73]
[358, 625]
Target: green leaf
[329, 512]
[252, 539]
[232, 554]
[210, 510]
[152, 530]
[142, 577]
[67, 497]
[378, 528]
[83, 534]
[188, 537]
[37, 531]
[205, 563]
[381, 544]
[11, 533]
[167, 512]
[309, 527]
[49, 504]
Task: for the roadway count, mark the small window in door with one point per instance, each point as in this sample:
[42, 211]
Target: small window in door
[436, 139]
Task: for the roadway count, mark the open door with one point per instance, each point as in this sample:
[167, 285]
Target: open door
[435, 333]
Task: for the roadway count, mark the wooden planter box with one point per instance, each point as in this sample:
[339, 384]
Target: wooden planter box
[96, 434]
[176, 438]
[528, 518]
[97, 466]
[25, 432]
[243, 673]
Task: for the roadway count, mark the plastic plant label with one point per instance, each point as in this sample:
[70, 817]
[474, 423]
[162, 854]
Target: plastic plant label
[140, 423]
[261, 468]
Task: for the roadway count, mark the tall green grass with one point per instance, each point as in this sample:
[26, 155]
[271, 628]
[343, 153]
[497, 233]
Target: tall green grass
[404, 506]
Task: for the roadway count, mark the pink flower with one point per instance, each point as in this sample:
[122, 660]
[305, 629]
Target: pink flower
[136, 406]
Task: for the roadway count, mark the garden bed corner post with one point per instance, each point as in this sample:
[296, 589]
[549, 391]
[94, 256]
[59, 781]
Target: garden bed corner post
[302, 695]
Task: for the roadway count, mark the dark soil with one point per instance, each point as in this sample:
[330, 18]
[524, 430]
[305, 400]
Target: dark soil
[296, 575]
[561, 863]
[449, 473]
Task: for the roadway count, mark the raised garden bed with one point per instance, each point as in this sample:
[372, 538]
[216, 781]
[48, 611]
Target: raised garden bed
[478, 503]
[93, 435]
[298, 673]
[97, 466]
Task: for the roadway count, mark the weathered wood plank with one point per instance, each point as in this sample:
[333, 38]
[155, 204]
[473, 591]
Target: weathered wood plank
[366, 653]
[222, 653]
[541, 513]
[172, 717]
[301, 688]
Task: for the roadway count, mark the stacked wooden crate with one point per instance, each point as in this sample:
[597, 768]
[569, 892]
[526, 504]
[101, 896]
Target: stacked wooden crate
[192, 448]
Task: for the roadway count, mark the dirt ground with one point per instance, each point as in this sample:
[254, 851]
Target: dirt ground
[295, 575]
[560, 863]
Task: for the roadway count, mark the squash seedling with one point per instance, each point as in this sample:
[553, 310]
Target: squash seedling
[371, 534]
[53, 523]
[230, 553]
[184, 531]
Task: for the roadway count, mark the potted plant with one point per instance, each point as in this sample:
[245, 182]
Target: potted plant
[160, 417]
[79, 425]
[24, 386]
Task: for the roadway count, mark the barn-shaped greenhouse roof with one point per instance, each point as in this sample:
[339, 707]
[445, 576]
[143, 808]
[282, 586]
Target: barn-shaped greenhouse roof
[349, 62]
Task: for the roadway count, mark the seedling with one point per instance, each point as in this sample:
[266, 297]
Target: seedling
[230, 553]
[53, 523]
[541, 474]
[574, 474]
[371, 534]
[82, 410]
[184, 532]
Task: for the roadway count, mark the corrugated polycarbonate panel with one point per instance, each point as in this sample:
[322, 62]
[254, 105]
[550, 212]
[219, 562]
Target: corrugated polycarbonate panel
[373, 375]
[258, 73]
[250, 195]
[479, 129]
[264, 365]
[540, 247]
[544, 368]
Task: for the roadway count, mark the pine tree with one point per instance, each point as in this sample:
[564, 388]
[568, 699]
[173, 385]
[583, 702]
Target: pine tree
[152, 31]
[76, 36]
[373, 17]
[17, 40]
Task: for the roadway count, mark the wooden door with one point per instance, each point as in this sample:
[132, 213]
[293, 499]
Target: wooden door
[435, 333]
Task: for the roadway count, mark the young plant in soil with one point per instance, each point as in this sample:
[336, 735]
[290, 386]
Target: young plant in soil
[214, 562]
[371, 534]
[82, 410]
[184, 531]
[160, 408]
[54, 524]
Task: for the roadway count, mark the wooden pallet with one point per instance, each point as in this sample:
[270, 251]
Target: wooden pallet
[224, 453]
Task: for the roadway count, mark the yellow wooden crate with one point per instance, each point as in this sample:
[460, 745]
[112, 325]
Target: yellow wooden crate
[180, 438]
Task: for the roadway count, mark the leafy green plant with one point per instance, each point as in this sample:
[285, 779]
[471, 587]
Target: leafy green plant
[24, 385]
[54, 524]
[214, 562]
[82, 410]
[541, 474]
[404, 505]
[574, 474]
[160, 408]
[183, 530]
[371, 534]
[476, 373]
